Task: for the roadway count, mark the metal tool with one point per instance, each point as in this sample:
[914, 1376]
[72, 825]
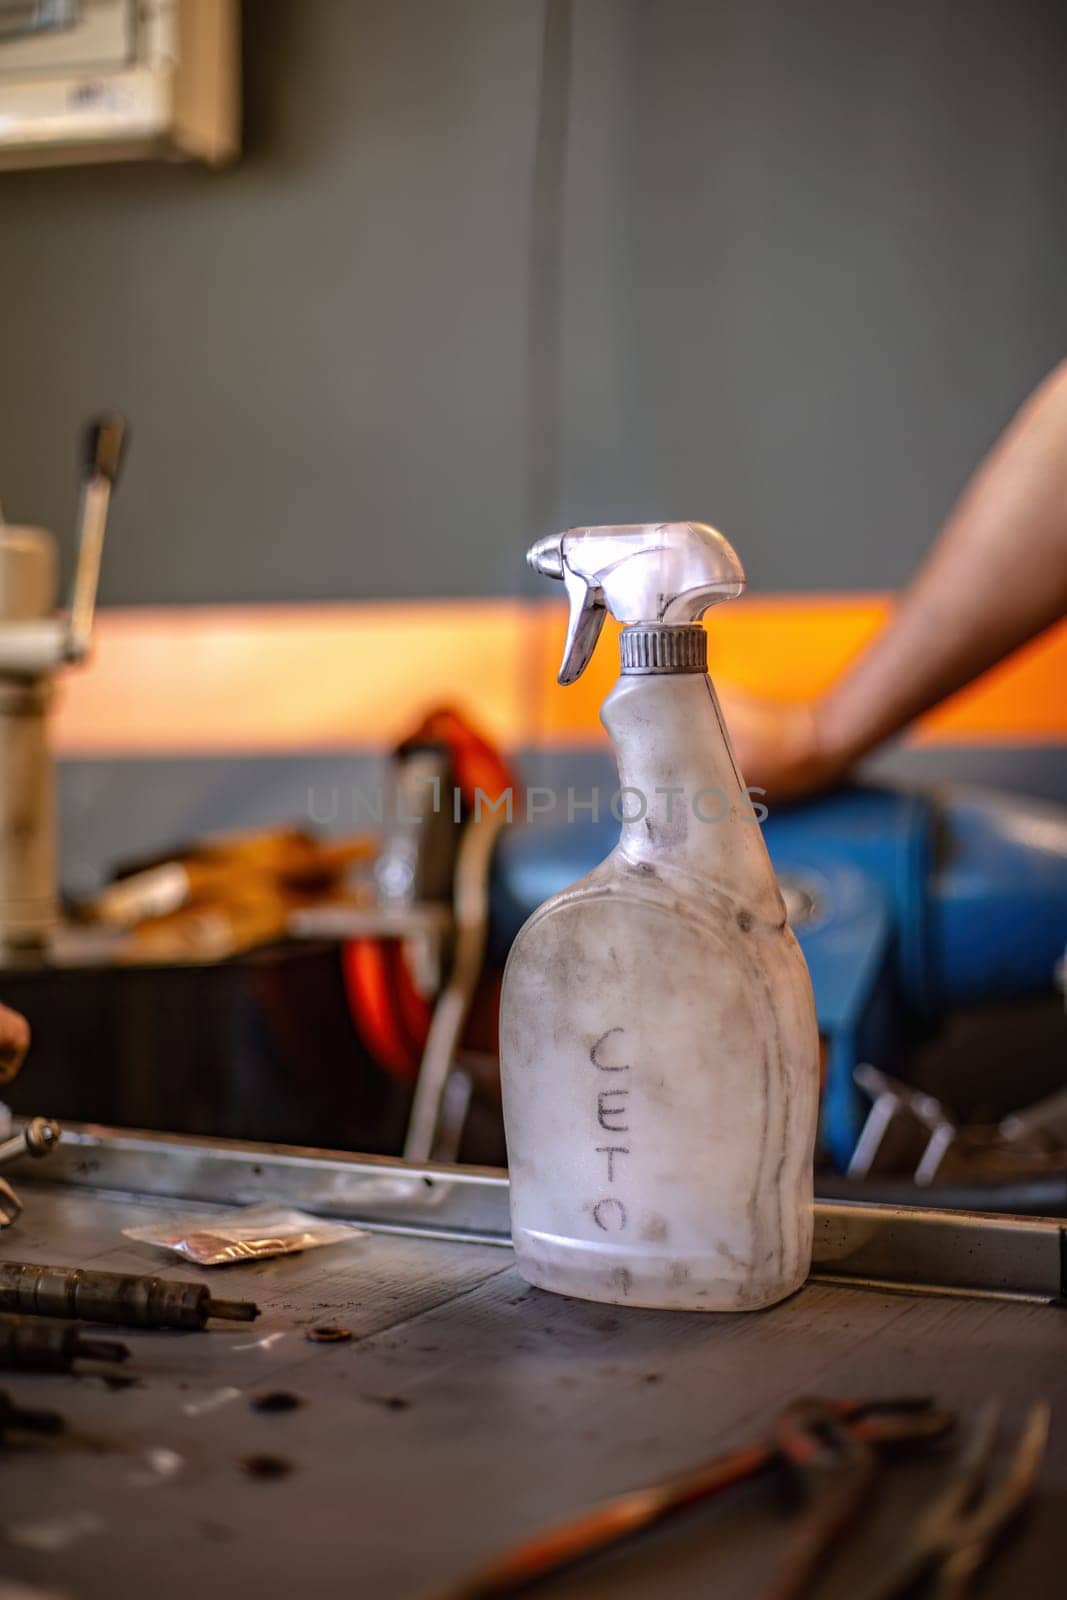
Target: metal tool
[905, 1130]
[438, 1111]
[836, 1469]
[1020, 1162]
[105, 440]
[33, 1344]
[869, 1422]
[35, 642]
[17, 1419]
[38, 1138]
[955, 1536]
[127, 1301]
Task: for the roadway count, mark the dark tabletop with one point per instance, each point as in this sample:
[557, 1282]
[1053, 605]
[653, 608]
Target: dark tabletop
[467, 1411]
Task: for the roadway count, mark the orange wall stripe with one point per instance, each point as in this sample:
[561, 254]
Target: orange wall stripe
[1025, 699]
[233, 680]
[788, 648]
[236, 680]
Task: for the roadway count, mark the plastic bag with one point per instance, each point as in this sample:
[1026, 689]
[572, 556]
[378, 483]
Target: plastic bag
[250, 1234]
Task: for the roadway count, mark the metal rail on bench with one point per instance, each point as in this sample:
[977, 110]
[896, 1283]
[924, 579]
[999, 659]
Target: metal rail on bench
[919, 1249]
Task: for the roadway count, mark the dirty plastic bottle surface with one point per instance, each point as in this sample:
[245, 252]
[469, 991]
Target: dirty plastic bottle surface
[659, 1048]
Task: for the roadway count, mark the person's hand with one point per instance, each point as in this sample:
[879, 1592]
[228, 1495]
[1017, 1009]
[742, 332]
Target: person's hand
[777, 744]
[14, 1042]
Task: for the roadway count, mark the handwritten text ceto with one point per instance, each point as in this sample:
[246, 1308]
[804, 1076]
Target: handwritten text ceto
[612, 1118]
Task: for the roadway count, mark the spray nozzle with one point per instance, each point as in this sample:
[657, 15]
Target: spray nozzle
[656, 572]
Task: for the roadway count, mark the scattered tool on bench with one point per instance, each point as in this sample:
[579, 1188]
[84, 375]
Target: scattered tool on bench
[836, 1469]
[126, 1301]
[33, 1344]
[954, 1537]
[866, 1423]
[17, 1419]
[37, 1138]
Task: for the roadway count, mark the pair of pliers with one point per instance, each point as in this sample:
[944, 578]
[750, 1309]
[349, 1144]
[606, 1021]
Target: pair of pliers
[836, 1465]
[955, 1536]
[866, 1422]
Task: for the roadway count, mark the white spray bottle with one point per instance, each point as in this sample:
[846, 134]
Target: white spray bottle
[659, 1050]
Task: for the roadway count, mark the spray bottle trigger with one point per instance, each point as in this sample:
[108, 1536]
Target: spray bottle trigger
[587, 614]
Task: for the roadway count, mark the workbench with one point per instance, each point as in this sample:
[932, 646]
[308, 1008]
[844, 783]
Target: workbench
[467, 1410]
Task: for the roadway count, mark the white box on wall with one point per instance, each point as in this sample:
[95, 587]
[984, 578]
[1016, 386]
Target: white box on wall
[118, 80]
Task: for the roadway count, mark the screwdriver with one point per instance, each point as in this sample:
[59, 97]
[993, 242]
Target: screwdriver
[32, 1344]
[126, 1301]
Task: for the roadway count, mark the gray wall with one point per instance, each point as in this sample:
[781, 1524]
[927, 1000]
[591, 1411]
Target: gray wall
[806, 262]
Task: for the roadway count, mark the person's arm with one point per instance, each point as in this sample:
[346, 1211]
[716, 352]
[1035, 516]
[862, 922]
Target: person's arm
[996, 577]
[14, 1042]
